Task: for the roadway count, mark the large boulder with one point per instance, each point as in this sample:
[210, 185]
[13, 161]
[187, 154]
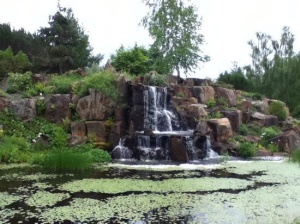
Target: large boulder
[263, 119]
[4, 103]
[226, 94]
[184, 91]
[287, 141]
[96, 131]
[117, 130]
[178, 151]
[123, 86]
[24, 108]
[221, 129]
[197, 111]
[79, 133]
[96, 106]
[204, 94]
[58, 108]
[235, 118]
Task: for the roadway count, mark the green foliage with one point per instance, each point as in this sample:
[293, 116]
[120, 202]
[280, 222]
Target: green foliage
[214, 115]
[273, 147]
[67, 46]
[180, 94]
[104, 82]
[19, 82]
[13, 149]
[62, 84]
[247, 149]
[158, 80]
[277, 108]
[174, 27]
[64, 160]
[269, 133]
[99, 155]
[135, 61]
[13, 63]
[56, 135]
[295, 156]
[250, 129]
[236, 78]
[211, 103]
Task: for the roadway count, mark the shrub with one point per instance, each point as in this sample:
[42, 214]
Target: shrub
[247, 149]
[273, 147]
[158, 80]
[57, 136]
[211, 103]
[96, 155]
[268, 134]
[277, 108]
[62, 83]
[180, 94]
[243, 129]
[296, 156]
[104, 82]
[13, 63]
[18, 82]
[13, 149]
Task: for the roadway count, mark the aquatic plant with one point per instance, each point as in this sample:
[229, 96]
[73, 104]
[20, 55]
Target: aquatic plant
[65, 160]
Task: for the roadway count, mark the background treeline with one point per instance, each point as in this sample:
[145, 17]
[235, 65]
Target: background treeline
[61, 46]
[274, 72]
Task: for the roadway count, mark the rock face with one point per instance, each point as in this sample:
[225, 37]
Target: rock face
[287, 141]
[96, 106]
[204, 94]
[96, 131]
[263, 119]
[226, 94]
[197, 110]
[58, 108]
[24, 108]
[221, 129]
[178, 150]
[4, 103]
[235, 118]
[185, 91]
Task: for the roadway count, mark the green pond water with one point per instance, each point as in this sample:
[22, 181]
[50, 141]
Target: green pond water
[232, 192]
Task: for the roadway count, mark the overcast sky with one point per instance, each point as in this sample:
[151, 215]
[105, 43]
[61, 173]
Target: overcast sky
[227, 24]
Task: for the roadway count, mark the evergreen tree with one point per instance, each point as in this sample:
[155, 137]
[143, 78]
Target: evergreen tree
[67, 46]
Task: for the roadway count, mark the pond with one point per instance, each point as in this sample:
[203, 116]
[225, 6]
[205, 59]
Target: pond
[228, 192]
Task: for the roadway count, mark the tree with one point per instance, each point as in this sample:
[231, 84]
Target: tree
[136, 60]
[175, 27]
[67, 46]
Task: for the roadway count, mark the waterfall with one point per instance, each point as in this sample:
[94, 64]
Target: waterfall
[157, 117]
[211, 154]
[189, 141]
[121, 151]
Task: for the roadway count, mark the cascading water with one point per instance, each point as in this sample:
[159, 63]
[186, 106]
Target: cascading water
[156, 115]
[211, 154]
[160, 125]
[121, 151]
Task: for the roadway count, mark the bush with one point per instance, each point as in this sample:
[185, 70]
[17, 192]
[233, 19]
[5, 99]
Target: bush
[13, 149]
[247, 149]
[158, 80]
[296, 156]
[104, 82]
[62, 84]
[243, 129]
[18, 82]
[135, 60]
[98, 155]
[56, 135]
[268, 134]
[13, 63]
[278, 109]
[211, 103]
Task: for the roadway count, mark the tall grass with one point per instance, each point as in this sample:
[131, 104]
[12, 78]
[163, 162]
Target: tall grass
[65, 160]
